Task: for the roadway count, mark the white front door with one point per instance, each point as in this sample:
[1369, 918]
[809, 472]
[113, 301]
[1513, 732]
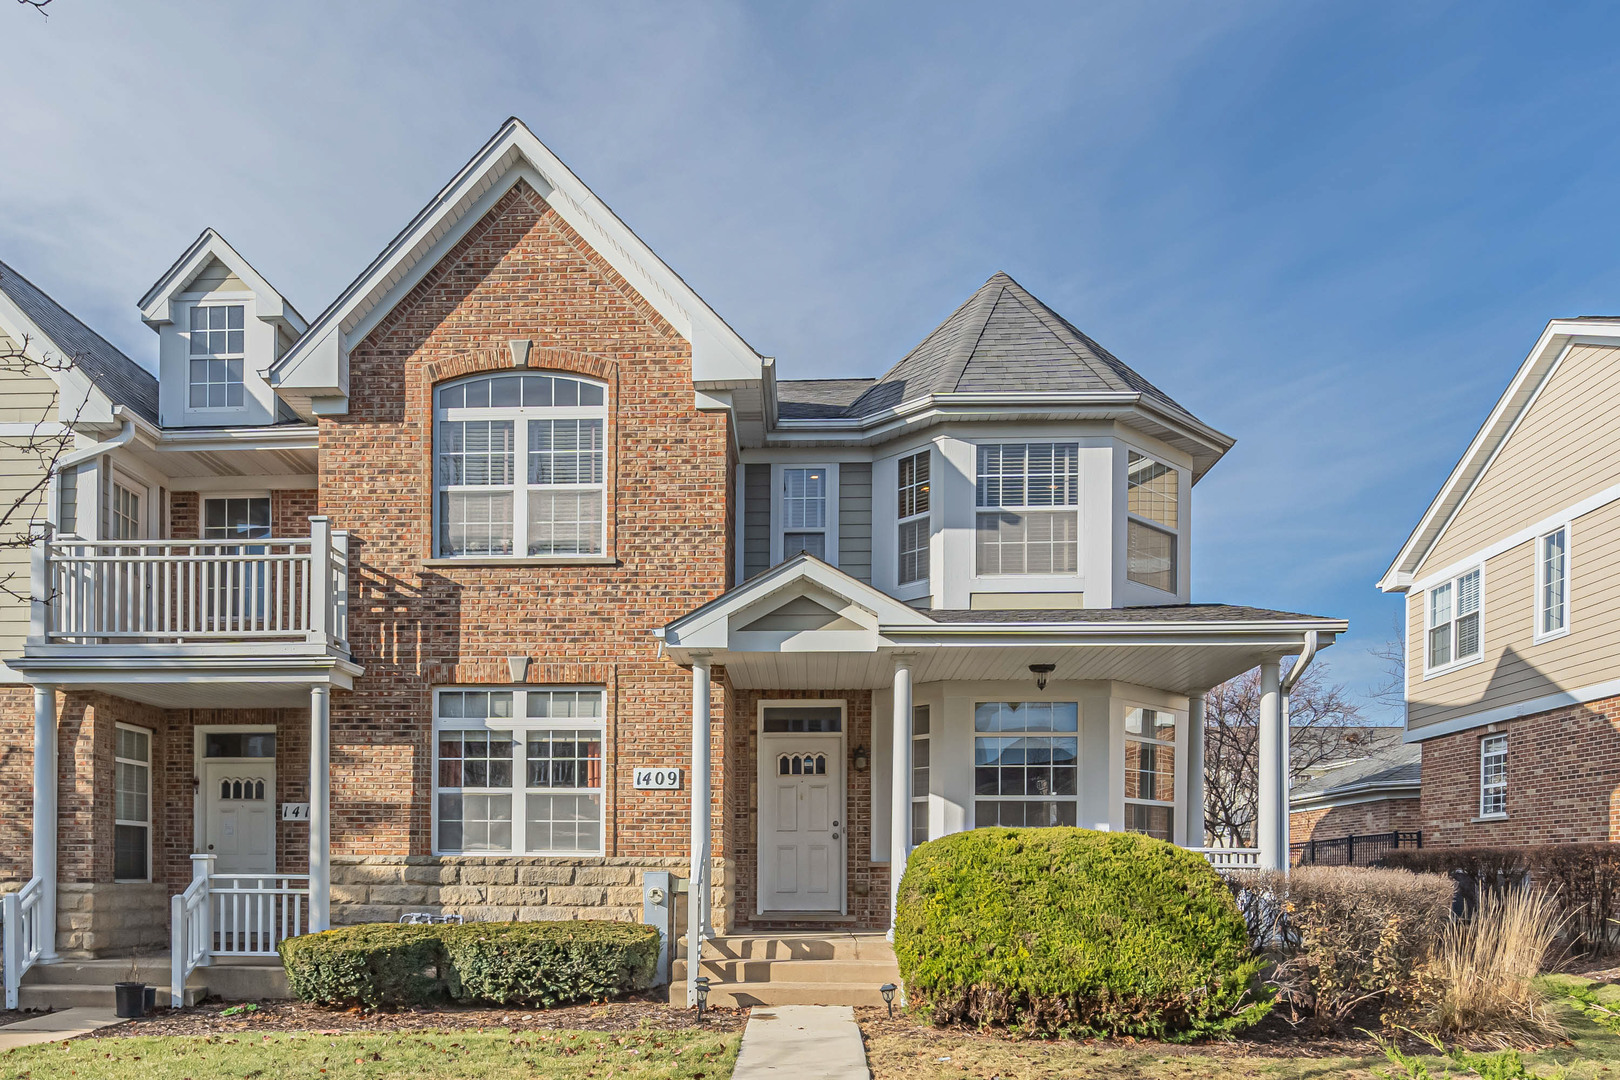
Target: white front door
[239, 826]
[801, 822]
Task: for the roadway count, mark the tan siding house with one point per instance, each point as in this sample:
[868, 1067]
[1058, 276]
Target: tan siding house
[1512, 585]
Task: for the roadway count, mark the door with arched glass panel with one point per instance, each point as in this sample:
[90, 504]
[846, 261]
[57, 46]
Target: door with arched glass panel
[801, 808]
[239, 801]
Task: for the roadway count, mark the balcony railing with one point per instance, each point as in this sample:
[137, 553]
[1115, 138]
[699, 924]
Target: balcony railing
[100, 592]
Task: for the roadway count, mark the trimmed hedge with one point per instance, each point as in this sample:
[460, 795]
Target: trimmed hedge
[1583, 879]
[1070, 931]
[530, 963]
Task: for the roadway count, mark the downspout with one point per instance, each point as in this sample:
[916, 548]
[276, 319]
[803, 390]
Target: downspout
[1285, 685]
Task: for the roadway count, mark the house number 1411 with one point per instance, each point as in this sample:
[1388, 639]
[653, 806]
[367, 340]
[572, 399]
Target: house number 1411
[657, 779]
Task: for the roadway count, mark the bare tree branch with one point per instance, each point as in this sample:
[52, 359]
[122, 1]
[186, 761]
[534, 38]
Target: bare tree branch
[37, 5]
[1392, 689]
[1322, 723]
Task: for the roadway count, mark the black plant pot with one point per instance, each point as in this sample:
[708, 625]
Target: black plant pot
[129, 999]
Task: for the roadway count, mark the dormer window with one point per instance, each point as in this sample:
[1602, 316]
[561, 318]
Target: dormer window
[218, 345]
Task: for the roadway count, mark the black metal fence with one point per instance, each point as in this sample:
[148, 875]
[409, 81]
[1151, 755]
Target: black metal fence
[1352, 850]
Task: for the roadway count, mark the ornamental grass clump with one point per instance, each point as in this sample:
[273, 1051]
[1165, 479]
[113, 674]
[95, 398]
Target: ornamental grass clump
[1075, 932]
[1484, 970]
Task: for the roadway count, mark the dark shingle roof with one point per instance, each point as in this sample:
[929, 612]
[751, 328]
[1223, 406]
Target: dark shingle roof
[1165, 613]
[116, 375]
[815, 398]
[1004, 339]
[1371, 758]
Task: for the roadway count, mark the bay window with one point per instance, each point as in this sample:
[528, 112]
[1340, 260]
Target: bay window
[914, 532]
[1024, 758]
[518, 771]
[1150, 772]
[1027, 496]
[1152, 491]
[1453, 620]
[919, 774]
[521, 466]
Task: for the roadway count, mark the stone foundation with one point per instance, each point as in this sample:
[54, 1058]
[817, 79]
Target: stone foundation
[109, 920]
[381, 888]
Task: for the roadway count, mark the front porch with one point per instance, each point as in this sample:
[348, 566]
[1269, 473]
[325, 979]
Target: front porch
[864, 727]
[181, 715]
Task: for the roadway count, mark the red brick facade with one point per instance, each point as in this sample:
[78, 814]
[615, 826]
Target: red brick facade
[1358, 819]
[1563, 780]
[416, 623]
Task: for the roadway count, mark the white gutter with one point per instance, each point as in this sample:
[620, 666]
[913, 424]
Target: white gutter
[77, 457]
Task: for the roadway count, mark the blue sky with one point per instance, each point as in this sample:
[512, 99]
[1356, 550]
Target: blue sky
[1332, 231]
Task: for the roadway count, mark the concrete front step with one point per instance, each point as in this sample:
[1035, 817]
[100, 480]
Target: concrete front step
[59, 996]
[790, 969]
[89, 983]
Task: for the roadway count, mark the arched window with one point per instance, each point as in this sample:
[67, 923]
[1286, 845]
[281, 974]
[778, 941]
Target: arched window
[520, 466]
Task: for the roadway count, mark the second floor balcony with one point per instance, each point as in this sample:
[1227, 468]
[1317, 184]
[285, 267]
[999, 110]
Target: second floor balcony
[191, 622]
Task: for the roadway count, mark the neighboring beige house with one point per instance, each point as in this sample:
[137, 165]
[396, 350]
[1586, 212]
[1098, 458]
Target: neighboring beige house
[1512, 645]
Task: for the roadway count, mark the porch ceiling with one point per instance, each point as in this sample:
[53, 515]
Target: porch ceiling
[1179, 668]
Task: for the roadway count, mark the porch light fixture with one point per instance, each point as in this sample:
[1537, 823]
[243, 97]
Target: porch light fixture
[1041, 671]
[860, 759]
[702, 985]
[887, 990]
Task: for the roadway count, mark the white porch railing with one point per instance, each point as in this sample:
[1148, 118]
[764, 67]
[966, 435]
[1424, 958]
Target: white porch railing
[232, 915]
[24, 932]
[101, 591]
[1231, 858]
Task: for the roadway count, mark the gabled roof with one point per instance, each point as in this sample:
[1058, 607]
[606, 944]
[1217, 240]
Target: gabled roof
[316, 367]
[208, 248]
[1004, 340]
[1376, 762]
[121, 379]
[1521, 391]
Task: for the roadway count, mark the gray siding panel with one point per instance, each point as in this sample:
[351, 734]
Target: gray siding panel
[855, 519]
[756, 520]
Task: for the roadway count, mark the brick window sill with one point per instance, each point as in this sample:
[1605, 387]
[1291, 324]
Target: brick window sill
[536, 560]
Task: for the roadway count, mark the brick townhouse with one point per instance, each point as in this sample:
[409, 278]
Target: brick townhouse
[516, 579]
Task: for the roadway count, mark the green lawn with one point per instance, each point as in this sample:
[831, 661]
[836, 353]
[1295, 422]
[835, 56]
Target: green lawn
[460, 1055]
[932, 1055]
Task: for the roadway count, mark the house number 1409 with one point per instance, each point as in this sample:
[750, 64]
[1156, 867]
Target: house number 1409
[657, 779]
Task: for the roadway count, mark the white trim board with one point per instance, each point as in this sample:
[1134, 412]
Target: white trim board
[1595, 692]
[1525, 535]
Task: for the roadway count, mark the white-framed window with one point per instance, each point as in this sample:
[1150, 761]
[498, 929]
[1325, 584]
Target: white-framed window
[218, 344]
[1152, 493]
[518, 771]
[1453, 620]
[1493, 776]
[1024, 758]
[920, 736]
[236, 519]
[914, 506]
[1552, 584]
[1150, 772]
[521, 466]
[1022, 526]
[124, 523]
[804, 511]
[132, 804]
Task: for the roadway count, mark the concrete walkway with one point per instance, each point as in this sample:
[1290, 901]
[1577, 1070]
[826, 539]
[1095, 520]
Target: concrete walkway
[55, 1026]
[804, 1042]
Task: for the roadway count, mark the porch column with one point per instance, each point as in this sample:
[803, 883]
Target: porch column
[900, 785]
[1194, 827]
[1271, 824]
[697, 898]
[45, 814]
[320, 797]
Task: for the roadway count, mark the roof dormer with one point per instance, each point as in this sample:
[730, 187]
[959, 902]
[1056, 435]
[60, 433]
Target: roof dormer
[220, 326]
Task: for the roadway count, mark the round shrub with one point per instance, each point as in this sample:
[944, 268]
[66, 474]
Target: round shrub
[373, 964]
[1070, 931]
[549, 963]
[532, 963]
